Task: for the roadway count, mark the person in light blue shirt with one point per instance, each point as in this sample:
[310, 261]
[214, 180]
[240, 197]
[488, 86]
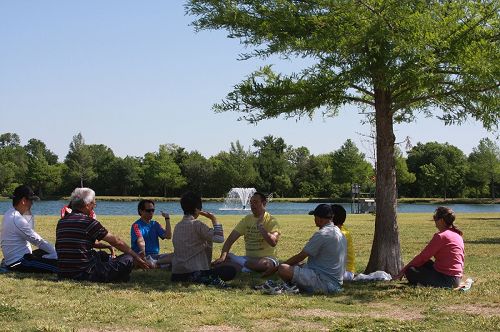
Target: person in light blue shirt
[325, 253]
[146, 232]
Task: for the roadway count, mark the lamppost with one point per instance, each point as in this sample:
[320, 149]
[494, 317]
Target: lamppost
[355, 194]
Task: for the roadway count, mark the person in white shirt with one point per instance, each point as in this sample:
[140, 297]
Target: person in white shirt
[17, 234]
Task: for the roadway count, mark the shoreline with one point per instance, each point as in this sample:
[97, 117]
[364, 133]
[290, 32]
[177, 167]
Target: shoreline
[434, 200]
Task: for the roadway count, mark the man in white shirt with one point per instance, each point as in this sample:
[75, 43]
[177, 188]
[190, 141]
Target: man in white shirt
[17, 234]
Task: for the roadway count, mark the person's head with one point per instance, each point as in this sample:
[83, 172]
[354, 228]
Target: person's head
[146, 209]
[258, 203]
[322, 214]
[444, 218]
[191, 203]
[83, 199]
[23, 197]
[339, 214]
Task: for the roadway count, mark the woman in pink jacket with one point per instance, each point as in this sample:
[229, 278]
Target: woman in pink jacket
[447, 248]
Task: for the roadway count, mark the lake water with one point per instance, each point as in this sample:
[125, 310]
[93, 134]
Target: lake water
[130, 208]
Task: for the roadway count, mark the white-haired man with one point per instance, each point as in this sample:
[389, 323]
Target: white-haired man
[76, 236]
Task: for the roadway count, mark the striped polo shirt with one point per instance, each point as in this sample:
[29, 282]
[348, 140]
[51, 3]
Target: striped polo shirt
[76, 234]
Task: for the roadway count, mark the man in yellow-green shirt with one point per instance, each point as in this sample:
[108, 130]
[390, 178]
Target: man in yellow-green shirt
[261, 232]
[339, 215]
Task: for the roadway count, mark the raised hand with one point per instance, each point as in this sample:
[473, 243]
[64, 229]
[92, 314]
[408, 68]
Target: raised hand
[208, 215]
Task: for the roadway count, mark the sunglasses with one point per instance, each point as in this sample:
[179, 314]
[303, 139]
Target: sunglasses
[149, 210]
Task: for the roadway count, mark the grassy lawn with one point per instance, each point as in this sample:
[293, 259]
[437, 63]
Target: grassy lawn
[32, 302]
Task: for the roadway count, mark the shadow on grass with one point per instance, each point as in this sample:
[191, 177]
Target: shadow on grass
[366, 292]
[492, 240]
[145, 281]
[159, 281]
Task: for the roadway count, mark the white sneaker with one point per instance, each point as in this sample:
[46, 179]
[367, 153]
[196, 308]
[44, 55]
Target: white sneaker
[272, 289]
[283, 288]
[466, 285]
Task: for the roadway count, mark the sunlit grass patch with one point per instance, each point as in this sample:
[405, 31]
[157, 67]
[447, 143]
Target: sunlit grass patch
[150, 302]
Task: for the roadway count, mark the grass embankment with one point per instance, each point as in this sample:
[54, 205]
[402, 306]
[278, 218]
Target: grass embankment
[440, 200]
[32, 302]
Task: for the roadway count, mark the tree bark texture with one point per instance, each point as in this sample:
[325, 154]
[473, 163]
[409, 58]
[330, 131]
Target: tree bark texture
[386, 252]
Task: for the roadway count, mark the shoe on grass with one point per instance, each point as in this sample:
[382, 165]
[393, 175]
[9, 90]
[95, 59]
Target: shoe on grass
[289, 288]
[267, 285]
[283, 288]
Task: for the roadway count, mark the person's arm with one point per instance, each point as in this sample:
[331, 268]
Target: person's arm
[430, 250]
[350, 251]
[34, 238]
[231, 239]
[168, 227]
[118, 243]
[294, 260]
[217, 234]
[100, 245]
[141, 244]
[270, 237]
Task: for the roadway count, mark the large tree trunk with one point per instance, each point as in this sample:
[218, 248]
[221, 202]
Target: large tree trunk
[386, 252]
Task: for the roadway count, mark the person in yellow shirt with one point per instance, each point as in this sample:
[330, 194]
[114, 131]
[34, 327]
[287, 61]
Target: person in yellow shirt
[339, 215]
[261, 233]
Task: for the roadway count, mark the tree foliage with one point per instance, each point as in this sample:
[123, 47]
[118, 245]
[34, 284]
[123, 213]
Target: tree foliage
[350, 166]
[304, 174]
[441, 168]
[400, 58]
[272, 164]
[79, 163]
[125, 176]
[198, 172]
[403, 176]
[161, 173]
[35, 148]
[9, 140]
[484, 170]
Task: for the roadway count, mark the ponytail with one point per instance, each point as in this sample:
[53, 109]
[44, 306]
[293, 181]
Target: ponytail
[456, 230]
[448, 216]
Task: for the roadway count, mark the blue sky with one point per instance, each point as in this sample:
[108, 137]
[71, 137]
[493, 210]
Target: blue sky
[133, 75]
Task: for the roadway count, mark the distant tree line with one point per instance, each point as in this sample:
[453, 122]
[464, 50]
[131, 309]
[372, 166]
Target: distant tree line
[429, 170]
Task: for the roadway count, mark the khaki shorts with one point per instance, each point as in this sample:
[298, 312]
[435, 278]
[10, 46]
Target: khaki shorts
[309, 281]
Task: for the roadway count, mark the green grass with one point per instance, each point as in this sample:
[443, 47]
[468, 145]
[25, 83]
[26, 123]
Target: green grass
[33, 302]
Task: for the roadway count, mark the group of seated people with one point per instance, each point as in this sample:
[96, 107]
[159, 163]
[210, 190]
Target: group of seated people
[329, 252]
